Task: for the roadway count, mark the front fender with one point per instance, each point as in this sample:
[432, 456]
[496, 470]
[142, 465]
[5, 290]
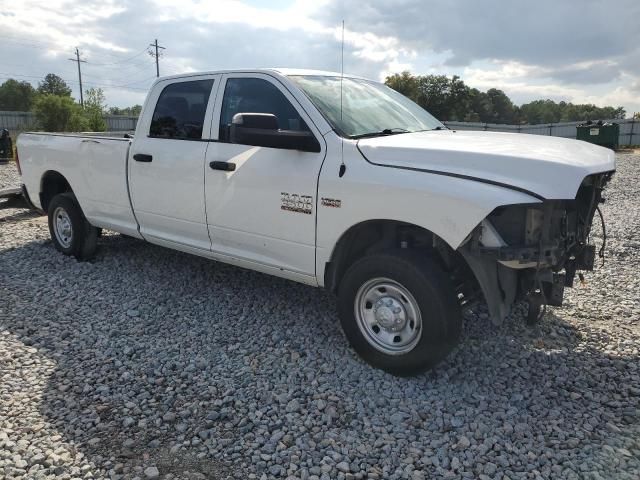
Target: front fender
[449, 207]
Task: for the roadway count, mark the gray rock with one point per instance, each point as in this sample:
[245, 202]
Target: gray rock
[169, 417]
[275, 470]
[490, 468]
[151, 472]
[203, 374]
[464, 442]
[396, 418]
[293, 406]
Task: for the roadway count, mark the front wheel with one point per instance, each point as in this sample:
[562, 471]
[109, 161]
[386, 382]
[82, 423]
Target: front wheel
[399, 311]
[70, 231]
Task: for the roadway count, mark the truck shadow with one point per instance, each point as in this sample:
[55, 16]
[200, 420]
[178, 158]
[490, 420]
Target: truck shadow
[20, 216]
[168, 359]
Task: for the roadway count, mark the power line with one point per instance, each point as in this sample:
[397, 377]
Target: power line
[78, 61]
[173, 67]
[92, 84]
[156, 55]
[123, 72]
[124, 60]
[105, 80]
[121, 79]
[137, 81]
[42, 46]
[131, 67]
[144, 63]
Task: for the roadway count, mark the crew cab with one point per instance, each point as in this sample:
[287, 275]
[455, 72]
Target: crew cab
[339, 182]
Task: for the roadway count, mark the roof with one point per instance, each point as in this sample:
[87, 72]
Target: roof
[281, 71]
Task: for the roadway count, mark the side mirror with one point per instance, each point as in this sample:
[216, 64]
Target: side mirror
[261, 130]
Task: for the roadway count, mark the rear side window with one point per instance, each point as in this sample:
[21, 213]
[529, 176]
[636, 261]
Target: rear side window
[180, 110]
[255, 95]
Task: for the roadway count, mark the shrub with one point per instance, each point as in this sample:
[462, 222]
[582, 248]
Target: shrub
[56, 113]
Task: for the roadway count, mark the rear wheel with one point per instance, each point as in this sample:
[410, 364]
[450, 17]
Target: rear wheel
[70, 231]
[399, 311]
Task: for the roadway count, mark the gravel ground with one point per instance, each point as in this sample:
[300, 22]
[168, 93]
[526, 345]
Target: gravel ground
[154, 364]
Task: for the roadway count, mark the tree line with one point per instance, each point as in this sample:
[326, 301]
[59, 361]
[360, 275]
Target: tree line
[54, 108]
[449, 98]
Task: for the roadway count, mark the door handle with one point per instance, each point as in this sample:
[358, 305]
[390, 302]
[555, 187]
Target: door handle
[225, 166]
[142, 157]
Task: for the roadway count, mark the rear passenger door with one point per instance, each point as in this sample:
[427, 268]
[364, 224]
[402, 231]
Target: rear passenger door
[167, 160]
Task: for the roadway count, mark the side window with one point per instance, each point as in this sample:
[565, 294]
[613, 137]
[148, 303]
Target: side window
[255, 95]
[180, 110]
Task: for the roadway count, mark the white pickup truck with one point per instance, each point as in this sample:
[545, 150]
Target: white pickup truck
[336, 182]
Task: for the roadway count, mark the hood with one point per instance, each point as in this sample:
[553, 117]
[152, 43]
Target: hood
[549, 167]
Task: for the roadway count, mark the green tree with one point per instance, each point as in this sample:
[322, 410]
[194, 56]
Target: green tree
[432, 95]
[55, 113]
[458, 99]
[481, 108]
[450, 99]
[548, 111]
[541, 111]
[405, 83]
[131, 111]
[94, 109]
[503, 110]
[16, 96]
[445, 98]
[54, 85]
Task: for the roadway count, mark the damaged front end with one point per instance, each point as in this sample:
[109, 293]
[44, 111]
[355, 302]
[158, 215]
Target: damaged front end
[533, 251]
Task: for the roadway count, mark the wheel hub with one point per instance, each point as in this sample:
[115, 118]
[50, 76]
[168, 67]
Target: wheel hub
[62, 227]
[390, 314]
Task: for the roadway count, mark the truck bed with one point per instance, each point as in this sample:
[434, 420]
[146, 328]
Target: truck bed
[94, 163]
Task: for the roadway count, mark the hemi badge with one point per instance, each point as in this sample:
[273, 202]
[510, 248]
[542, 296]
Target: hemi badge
[331, 202]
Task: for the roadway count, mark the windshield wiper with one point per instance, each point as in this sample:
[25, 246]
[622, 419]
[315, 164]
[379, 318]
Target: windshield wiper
[386, 131]
[439, 127]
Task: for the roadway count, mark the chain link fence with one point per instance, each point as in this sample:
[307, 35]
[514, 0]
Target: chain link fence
[629, 129]
[25, 121]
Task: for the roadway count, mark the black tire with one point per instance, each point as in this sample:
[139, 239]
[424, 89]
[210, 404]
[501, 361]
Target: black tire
[83, 237]
[432, 291]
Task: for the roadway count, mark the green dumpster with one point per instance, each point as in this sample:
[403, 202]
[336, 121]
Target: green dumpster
[604, 134]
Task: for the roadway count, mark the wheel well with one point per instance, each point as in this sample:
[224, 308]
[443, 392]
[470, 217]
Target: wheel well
[52, 184]
[379, 235]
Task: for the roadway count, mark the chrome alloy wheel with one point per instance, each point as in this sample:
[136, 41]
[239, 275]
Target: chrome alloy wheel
[388, 316]
[62, 227]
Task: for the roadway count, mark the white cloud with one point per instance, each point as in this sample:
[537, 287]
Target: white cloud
[527, 58]
[61, 24]
[619, 96]
[530, 81]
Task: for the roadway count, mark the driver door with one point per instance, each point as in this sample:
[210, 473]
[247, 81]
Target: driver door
[264, 211]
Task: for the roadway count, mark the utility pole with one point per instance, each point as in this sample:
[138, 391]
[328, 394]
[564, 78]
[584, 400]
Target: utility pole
[78, 61]
[156, 55]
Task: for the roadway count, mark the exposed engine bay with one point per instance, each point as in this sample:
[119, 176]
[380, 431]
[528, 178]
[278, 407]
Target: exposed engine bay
[533, 251]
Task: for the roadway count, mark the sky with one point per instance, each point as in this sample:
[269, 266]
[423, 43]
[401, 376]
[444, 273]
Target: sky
[583, 51]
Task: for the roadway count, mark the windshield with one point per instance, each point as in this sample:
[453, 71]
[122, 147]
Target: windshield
[368, 108]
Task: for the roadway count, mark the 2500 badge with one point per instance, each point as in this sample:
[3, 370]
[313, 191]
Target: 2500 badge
[293, 202]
